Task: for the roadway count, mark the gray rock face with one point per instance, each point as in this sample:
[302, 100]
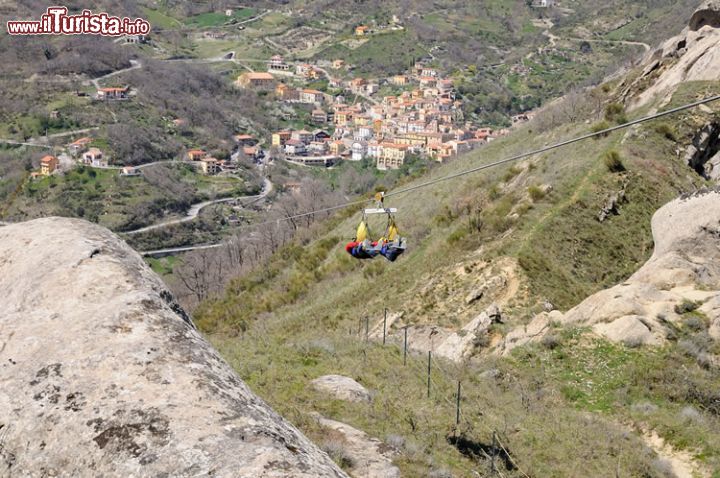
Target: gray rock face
[708, 13]
[102, 373]
[685, 266]
[693, 55]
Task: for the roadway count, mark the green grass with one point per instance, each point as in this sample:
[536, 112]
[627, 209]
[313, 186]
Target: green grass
[215, 19]
[163, 266]
[160, 19]
[389, 53]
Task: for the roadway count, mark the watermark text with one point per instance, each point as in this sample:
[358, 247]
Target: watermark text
[56, 21]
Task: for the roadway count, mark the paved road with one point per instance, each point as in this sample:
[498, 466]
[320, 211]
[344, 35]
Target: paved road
[196, 208]
[173, 250]
[134, 65]
[21, 143]
[39, 143]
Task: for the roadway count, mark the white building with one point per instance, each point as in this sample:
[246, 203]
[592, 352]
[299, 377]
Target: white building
[357, 151]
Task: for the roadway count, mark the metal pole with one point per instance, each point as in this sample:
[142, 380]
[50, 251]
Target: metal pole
[384, 325]
[457, 408]
[428, 380]
[405, 348]
[493, 468]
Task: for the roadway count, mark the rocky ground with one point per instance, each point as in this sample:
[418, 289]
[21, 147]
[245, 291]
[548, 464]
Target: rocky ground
[103, 374]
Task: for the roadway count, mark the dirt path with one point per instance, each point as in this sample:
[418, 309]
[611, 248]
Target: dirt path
[682, 463]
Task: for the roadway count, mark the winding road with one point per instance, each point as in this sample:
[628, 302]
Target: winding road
[196, 208]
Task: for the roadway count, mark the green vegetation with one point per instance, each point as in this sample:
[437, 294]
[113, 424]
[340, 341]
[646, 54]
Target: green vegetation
[214, 19]
[387, 53]
[612, 161]
[292, 320]
[120, 203]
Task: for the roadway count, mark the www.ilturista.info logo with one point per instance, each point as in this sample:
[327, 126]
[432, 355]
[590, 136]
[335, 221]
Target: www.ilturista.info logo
[56, 21]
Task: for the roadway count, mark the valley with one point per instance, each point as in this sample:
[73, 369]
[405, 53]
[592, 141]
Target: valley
[555, 312]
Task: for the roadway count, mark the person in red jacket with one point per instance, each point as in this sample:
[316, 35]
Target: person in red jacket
[362, 250]
[368, 250]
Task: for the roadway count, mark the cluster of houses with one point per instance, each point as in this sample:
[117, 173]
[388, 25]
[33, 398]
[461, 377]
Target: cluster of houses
[87, 155]
[425, 119]
[209, 165]
[83, 154]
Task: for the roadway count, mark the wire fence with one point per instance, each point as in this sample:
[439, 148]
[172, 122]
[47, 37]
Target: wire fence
[451, 391]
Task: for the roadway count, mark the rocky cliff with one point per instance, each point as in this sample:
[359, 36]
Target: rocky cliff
[103, 374]
[693, 55]
[682, 274]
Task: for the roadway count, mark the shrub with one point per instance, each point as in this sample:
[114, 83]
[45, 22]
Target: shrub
[511, 173]
[686, 306]
[613, 162]
[482, 339]
[691, 414]
[615, 112]
[644, 408]
[395, 441]
[338, 453]
[695, 323]
[551, 341]
[457, 235]
[536, 193]
[667, 131]
[600, 126]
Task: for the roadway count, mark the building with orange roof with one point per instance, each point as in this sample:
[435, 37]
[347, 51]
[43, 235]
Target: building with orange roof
[256, 79]
[48, 165]
[196, 154]
[280, 138]
[79, 145]
[362, 30]
[112, 93]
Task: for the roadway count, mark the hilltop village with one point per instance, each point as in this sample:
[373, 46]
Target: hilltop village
[383, 119]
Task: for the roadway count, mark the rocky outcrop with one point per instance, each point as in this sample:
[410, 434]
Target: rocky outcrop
[693, 55]
[684, 269]
[703, 155]
[455, 345]
[103, 374]
[368, 457]
[342, 388]
[707, 14]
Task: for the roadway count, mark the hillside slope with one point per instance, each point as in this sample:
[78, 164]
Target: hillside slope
[543, 234]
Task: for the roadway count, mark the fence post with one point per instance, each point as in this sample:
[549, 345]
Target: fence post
[457, 408]
[493, 468]
[428, 378]
[405, 348]
[384, 325]
[367, 329]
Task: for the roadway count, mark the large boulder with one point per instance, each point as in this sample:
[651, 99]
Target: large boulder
[685, 266]
[707, 14]
[103, 374]
[342, 388]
